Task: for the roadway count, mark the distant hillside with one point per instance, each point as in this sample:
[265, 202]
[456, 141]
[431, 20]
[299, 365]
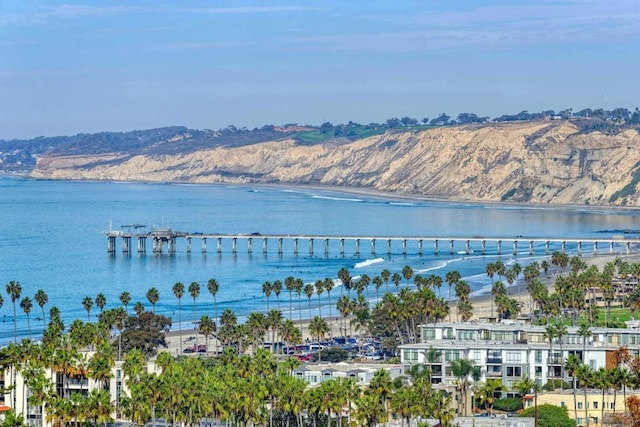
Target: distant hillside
[563, 161]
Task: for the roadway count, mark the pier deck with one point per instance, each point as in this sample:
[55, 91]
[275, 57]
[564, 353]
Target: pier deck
[168, 238]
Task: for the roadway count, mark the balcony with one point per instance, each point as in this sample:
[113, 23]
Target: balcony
[494, 374]
[494, 361]
[555, 360]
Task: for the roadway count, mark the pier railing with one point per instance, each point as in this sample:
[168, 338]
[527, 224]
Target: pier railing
[166, 241]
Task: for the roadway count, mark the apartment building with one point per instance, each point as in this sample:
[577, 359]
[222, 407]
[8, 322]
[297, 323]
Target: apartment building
[511, 350]
[18, 392]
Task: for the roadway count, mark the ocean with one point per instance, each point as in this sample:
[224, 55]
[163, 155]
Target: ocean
[52, 238]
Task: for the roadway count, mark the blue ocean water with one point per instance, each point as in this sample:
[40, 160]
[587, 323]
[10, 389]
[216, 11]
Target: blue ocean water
[52, 238]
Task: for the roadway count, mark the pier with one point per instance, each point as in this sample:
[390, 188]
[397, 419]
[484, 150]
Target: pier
[165, 240]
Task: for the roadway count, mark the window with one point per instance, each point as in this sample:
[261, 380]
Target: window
[410, 355]
[451, 355]
[514, 371]
[513, 356]
[562, 405]
[477, 356]
[579, 406]
[466, 335]
[428, 334]
[595, 404]
[447, 334]
[538, 356]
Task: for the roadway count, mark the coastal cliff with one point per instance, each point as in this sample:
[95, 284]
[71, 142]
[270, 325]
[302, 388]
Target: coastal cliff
[546, 162]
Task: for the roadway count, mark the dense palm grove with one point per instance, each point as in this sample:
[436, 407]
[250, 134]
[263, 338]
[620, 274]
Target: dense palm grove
[246, 383]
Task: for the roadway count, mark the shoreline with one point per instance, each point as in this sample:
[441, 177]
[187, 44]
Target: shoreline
[362, 191]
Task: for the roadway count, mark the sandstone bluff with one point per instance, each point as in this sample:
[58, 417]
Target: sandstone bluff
[546, 162]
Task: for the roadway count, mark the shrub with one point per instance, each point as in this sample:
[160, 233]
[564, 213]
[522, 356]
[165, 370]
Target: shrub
[508, 404]
[332, 354]
[555, 384]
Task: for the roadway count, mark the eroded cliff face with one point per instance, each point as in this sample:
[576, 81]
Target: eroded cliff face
[549, 162]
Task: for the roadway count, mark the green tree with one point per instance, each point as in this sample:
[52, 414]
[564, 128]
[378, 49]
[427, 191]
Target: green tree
[125, 299]
[206, 326]
[41, 298]
[549, 416]
[101, 301]
[26, 306]
[524, 387]
[178, 291]
[572, 365]
[267, 288]
[87, 303]
[213, 287]
[153, 296]
[14, 289]
[461, 369]
[194, 291]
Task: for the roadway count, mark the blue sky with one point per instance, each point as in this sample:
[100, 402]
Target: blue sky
[108, 65]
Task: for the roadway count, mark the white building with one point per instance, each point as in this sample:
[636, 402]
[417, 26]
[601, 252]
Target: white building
[509, 351]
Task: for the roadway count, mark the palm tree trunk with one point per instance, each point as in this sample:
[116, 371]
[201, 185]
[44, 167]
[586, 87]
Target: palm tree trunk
[575, 400]
[602, 410]
[586, 407]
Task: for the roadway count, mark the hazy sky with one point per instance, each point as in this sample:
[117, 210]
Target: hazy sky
[121, 65]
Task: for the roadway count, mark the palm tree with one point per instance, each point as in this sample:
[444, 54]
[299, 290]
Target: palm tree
[138, 308]
[267, 288]
[396, 278]
[26, 306]
[41, 298]
[319, 287]
[452, 277]
[274, 322]
[377, 282]
[345, 279]
[213, 286]
[572, 366]
[125, 299]
[194, 291]
[584, 375]
[14, 289]
[461, 369]
[87, 303]
[153, 296]
[385, 274]
[277, 288]
[561, 331]
[407, 273]
[101, 301]
[602, 380]
[289, 284]
[298, 284]
[489, 389]
[381, 387]
[120, 319]
[550, 334]
[344, 307]
[206, 326]
[309, 290]
[178, 291]
[585, 332]
[328, 285]
[318, 328]
[257, 325]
